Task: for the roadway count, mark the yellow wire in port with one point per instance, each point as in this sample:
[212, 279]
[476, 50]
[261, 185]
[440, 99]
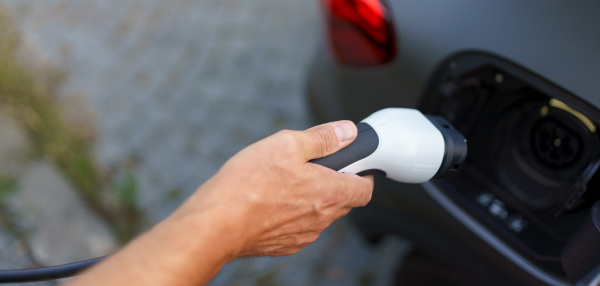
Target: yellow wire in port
[561, 105]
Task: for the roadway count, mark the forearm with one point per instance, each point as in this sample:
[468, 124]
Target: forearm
[182, 250]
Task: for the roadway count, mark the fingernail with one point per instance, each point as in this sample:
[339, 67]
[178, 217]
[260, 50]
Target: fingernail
[345, 131]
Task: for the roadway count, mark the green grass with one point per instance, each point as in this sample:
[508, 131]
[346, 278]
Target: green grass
[124, 191]
[8, 187]
[31, 103]
[174, 195]
[269, 278]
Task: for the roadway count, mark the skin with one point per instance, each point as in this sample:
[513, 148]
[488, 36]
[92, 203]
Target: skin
[267, 200]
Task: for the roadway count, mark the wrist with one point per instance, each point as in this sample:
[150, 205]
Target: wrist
[205, 224]
[185, 249]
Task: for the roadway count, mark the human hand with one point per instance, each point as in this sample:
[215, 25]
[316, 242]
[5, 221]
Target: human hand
[274, 200]
[266, 200]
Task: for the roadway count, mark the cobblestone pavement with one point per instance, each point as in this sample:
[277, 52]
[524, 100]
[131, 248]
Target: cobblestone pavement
[177, 87]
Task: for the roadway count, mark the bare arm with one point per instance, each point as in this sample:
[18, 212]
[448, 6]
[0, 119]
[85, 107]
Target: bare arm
[267, 200]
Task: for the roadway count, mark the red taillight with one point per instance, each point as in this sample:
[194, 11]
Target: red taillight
[360, 31]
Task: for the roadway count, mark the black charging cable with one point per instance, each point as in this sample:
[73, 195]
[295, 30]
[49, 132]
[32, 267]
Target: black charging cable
[46, 273]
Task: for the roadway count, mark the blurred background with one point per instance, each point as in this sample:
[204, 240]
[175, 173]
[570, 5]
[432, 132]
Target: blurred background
[113, 112]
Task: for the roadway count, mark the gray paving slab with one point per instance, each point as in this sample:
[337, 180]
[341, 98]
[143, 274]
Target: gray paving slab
[60, 227]
[13, 255]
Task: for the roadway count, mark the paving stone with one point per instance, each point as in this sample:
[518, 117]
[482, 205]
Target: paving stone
[60, 228]
[13, 147]
[15, 256]
[13, 144]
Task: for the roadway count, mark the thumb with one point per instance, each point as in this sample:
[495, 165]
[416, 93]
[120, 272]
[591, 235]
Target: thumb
[326, 139]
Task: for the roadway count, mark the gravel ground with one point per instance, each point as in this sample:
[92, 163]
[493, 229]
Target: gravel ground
[175, 88]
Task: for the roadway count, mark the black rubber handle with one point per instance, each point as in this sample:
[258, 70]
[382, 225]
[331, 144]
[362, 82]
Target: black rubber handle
[365, 144]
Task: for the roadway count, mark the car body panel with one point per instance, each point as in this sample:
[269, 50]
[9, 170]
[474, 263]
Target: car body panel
[555, 39]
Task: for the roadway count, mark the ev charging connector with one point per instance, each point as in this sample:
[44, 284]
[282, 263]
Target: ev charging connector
[403, 145]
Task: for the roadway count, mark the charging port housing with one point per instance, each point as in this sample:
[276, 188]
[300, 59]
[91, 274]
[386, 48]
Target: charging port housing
[534, 153]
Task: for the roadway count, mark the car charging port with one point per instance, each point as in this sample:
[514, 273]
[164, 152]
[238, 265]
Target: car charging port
[534, 153]
[555, 145]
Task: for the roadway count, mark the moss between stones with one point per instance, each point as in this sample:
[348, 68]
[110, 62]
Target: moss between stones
[31, 103]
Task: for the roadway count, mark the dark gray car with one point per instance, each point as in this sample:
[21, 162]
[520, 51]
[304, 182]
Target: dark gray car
[519, 80]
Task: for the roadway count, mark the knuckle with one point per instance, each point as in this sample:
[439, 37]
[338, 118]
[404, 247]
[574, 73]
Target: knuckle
[311, 237]
[293, 241]
[367, 193]
[366, 198]
[343, 212]
[360, 196]
[293, 250]
[326, 140]
[322, 221]
[287, 141]
[287, 136]
[325, 223]
[317, 207]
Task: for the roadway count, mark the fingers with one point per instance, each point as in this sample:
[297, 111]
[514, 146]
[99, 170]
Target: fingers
[308, 196]
[282, 245]
[273, 251]
[361, 196]
[355, 191]
[291, 240]
[326, 139]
